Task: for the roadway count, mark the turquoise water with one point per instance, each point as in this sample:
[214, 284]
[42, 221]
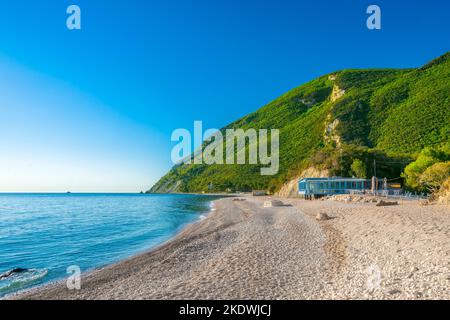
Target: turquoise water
[47, 233]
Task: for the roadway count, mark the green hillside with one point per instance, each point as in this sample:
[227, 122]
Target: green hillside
[386, 115]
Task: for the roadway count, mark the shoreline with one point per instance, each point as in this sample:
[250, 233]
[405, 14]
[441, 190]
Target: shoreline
[244, 251]
[62, 281]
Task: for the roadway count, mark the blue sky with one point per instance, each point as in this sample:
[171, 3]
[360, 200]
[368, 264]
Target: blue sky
[93, 110]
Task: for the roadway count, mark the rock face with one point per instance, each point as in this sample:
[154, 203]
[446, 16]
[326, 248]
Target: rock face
[290, 189]
[336, 93]
[308, 103]
[330, 133]
[167, 187]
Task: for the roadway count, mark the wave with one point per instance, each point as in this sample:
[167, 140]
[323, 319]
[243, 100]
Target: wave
[16, 279]
[212, 208]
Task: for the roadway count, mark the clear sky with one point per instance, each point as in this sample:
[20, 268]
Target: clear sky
[93, 110]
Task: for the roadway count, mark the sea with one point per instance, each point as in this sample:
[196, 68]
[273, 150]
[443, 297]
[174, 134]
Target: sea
[48, 237]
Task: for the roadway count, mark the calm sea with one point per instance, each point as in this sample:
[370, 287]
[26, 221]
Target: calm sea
[46, 233]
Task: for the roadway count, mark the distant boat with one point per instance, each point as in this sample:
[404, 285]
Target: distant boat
[68, 192]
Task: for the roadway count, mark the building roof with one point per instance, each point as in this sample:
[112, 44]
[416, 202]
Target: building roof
[334, 179]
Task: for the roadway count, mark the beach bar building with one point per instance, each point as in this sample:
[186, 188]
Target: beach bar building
[318, 187]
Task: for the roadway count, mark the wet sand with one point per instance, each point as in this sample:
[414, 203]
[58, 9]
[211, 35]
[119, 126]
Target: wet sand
[245, 251]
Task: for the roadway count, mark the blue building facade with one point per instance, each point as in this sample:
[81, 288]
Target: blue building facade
[328, 186]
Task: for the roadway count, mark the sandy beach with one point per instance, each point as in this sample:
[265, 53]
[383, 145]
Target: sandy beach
[245, 251]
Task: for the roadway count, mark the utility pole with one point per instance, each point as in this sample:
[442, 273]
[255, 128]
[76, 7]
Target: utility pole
[374, 167]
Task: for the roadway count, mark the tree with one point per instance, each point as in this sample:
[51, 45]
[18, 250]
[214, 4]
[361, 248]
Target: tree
[426, 159]
[433, 177]
[358, 169]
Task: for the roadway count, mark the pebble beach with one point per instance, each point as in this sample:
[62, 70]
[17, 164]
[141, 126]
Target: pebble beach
[248, 250]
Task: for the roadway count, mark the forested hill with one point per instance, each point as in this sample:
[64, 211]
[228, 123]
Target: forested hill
[338, 124]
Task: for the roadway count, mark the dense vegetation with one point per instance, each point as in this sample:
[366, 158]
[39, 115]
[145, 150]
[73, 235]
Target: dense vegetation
[430, 170]
[380, 123]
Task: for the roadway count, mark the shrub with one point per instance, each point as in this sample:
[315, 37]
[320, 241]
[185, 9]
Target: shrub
[434, 177]
[359, 169]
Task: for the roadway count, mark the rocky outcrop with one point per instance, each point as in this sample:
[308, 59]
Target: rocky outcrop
[308, 102]
[330, 134]
[290, 189]
[336, 93]
[167, 187]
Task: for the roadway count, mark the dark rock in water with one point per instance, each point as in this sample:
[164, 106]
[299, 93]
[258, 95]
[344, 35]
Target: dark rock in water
[9, 273]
